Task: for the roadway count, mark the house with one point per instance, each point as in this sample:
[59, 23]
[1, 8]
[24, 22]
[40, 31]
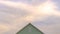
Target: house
[29, 29]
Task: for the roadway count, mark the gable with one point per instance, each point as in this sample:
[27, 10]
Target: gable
[29, 29]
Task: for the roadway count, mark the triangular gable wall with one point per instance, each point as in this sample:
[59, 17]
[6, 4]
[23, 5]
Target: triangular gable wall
[29, 29]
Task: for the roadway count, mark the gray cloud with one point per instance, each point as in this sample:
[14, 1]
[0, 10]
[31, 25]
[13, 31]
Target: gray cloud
[31, 2]
[13, 19]
[57, 3]
[50, 25]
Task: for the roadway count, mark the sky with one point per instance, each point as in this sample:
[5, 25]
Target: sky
[43, 14]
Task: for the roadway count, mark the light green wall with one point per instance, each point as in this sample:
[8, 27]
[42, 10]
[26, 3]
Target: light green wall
[29, 29]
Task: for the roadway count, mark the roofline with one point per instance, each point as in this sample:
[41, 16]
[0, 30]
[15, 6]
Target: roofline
[31, 25]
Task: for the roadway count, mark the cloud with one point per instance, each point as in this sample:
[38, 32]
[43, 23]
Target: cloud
[4, 28]
[18, 14]
[17, 5]
[48, 7]
[49, 26]
[50, 29]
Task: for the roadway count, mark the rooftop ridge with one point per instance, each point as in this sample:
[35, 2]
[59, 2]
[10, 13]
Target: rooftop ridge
[27, 26]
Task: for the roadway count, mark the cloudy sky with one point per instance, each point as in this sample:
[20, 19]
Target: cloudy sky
[15, 14]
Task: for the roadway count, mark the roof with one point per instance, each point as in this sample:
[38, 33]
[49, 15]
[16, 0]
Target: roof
[29, 29]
